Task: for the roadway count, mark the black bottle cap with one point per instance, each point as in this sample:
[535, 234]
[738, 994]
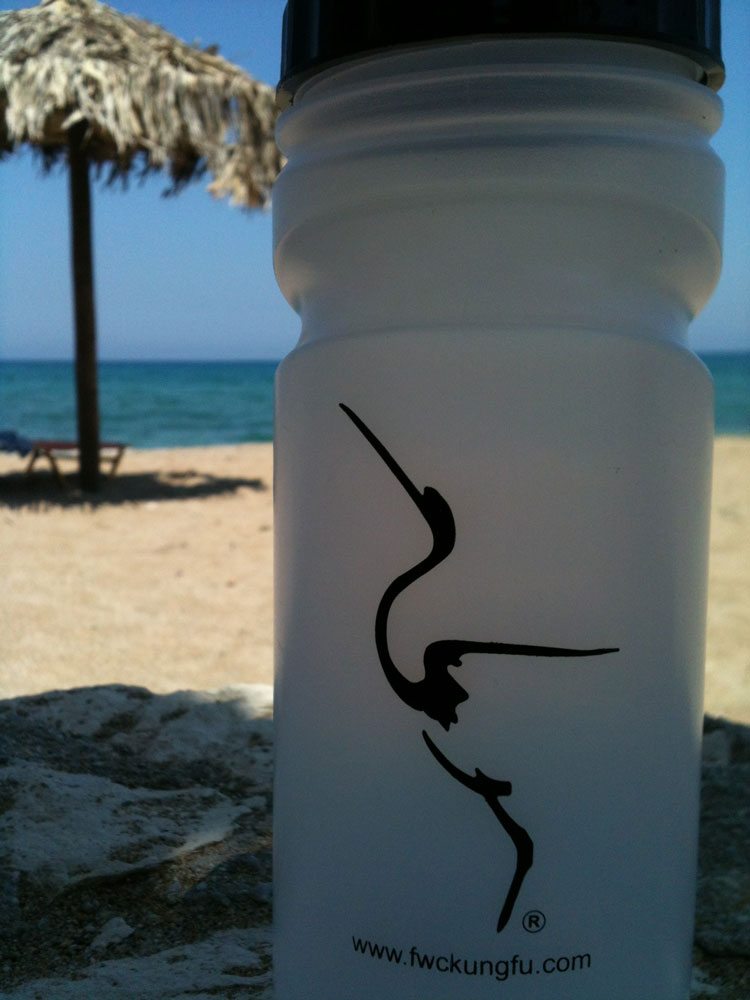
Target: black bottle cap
[321, 33]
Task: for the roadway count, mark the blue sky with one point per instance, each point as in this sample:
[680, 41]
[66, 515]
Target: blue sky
[191, 277]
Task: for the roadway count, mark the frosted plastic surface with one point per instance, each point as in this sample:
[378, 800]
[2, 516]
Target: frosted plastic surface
[493, 462]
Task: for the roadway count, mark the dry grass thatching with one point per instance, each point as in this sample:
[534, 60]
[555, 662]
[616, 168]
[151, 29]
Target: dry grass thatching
[150, 101]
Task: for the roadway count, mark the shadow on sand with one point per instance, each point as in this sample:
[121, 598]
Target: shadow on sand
[18, 490]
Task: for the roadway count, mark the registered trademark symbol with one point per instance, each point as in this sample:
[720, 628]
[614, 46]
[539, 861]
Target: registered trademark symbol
[534, 921]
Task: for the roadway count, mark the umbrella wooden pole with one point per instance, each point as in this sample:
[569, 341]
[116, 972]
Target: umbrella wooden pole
[85, 316]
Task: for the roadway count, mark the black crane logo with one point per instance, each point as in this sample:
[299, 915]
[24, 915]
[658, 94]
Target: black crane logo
[438, 693]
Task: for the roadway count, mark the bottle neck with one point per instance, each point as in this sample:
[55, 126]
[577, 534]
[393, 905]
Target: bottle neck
[490, 56]
[462, 87]
[501, 183]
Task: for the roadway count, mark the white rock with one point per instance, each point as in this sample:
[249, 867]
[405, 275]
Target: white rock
[183, 725]
[229, 959]
[716, 748]
[700, 988]
[66, 827]
[114, 931]
[72, 759]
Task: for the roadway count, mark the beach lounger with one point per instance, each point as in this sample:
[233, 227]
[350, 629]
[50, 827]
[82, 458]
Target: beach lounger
[15, 443]
[109, 452]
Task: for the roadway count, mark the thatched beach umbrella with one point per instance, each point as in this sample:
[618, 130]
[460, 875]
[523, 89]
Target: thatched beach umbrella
[84, 83]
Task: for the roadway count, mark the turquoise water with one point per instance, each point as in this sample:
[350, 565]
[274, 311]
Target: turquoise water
[180, 404]
[148, 404]
[731, 375]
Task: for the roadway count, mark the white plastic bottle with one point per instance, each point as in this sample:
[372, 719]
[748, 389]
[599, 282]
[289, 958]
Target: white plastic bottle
[493, 455]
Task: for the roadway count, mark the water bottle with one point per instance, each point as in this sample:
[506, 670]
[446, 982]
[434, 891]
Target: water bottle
[493, 463]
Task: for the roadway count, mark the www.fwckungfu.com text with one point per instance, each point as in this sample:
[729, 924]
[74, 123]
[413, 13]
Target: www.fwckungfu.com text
[499, 969]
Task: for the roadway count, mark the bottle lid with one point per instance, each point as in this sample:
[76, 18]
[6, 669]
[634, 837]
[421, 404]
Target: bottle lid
[321, 33]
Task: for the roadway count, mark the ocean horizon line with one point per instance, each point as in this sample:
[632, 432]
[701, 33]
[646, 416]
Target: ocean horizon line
[266, 360]
[146, 361]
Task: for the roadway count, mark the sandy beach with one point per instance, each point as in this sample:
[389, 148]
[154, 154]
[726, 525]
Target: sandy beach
[166, 580]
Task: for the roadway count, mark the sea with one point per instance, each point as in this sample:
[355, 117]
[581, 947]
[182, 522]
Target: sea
[166, 404]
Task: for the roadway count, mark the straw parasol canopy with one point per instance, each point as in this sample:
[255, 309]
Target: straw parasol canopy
[84, 84]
